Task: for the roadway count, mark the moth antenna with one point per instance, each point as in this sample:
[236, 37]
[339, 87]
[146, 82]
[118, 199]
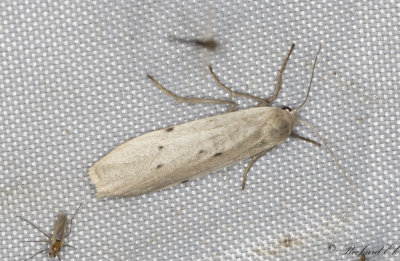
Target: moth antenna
[312, 76]
[331, 152]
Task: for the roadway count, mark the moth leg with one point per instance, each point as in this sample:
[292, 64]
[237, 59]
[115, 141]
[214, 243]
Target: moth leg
[37, 253]
[234, 93]
[70, 222]
[279, 77]
[253, 159]
[180, 99]
[297, 136]
[44, 233]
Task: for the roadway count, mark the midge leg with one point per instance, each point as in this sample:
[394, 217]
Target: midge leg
[32, 256]
[70, 221]
[180, 99]
[253, 159]
[46, 241]
[262, 102]
[44, 233]
[69, 246]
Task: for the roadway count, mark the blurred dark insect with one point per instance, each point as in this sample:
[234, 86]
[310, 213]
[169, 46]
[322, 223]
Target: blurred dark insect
[207, 43]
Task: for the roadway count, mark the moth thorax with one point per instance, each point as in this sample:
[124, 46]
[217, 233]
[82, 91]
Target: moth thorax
[280, 124]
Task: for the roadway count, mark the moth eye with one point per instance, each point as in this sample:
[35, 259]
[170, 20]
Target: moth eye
[286, 108]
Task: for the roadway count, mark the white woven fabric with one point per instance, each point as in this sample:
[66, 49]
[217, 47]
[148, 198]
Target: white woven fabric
[73, 87]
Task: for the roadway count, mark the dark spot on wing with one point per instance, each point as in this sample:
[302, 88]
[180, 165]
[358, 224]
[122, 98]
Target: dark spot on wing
[169, 129]
[217, 154]
[160, 147]
[201, 151]
[184, 181]
[159, 166]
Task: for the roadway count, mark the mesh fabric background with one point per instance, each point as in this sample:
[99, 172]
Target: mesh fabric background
[73, 87]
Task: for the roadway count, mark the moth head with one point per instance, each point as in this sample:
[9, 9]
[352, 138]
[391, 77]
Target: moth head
[286, 108]
[292, 113]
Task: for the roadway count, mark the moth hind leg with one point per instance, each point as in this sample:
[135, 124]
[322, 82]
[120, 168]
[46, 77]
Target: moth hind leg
[234, 93]
[261, 101]
[180, 99]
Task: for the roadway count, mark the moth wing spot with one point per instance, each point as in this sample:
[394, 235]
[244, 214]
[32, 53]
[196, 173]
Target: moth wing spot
[160, 147]
[159, 166]
[217, 154]
[169, 129]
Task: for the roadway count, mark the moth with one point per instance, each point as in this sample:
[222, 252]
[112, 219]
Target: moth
[166, 157]
[59, 234]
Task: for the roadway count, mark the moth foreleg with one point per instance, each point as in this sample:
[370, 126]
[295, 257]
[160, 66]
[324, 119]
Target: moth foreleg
[297, 136]
[253, 159]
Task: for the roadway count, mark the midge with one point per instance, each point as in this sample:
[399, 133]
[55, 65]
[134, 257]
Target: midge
[57, 239]
[170, 156]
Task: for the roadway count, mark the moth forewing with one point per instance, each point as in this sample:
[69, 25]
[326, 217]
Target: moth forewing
[166, 157]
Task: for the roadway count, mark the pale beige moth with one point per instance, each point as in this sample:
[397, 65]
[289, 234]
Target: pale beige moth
[170, 156]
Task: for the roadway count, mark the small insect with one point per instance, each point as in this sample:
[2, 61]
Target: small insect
[207, 40]
[57, 239]
[170, 156]
[208, 43]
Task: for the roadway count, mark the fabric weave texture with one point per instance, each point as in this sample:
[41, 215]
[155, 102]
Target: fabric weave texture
[73, 87]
